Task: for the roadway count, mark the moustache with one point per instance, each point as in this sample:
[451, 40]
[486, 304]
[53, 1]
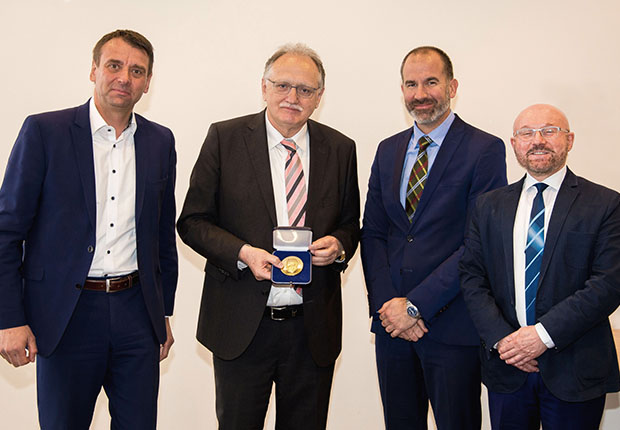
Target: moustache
[422, 102]
[540, 147]
[291, 106]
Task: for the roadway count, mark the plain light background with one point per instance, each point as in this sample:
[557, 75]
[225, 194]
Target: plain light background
[209, 57]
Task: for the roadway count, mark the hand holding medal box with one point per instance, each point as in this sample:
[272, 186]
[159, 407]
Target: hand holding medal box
[291, 247]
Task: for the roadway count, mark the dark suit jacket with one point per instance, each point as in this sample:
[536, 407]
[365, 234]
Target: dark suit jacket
[47, 222]
[579, 287]
[230, 202]
[420, 259]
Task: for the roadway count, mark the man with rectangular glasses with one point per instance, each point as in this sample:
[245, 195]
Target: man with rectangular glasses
[273, 168]
[540, 276]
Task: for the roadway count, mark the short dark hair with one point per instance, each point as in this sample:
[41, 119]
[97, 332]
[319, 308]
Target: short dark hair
[133, 38]
[447, 64]
[297, 49]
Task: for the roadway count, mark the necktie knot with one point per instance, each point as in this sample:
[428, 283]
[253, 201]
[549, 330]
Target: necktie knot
[541, 186]
[424, 142]
[290, 145]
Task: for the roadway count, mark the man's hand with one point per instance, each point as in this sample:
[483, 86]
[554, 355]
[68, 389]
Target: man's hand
[325, 250]
[18, 345]
[259, 261]
[165, 348]
[394, 316]
[521, 348]
[414, 333]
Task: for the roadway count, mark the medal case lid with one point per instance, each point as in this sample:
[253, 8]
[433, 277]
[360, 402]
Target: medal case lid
[292, 238]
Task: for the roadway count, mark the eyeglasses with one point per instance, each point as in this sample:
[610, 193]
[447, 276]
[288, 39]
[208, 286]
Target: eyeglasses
[303, 91]
[549, 132]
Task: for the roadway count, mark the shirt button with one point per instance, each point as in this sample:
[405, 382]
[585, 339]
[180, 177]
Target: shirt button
[111, 224]
[113, 170]
[409, 238]
[108, 251]
[112, 198]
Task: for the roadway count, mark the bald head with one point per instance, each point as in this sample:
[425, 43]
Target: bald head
[540, 115]
[542, 156]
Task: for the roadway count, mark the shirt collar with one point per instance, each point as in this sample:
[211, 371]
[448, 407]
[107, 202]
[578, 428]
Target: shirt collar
[97, 122]
[437, 135]
[274, 137]
[554, 181]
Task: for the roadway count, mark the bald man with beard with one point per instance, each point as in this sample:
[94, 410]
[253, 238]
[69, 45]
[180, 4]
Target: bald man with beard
[540, 276]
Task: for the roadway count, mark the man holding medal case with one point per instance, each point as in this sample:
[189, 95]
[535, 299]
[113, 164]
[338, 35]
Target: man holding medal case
[276, 168]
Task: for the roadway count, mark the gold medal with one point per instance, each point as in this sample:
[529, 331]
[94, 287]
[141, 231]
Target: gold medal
[292, 266]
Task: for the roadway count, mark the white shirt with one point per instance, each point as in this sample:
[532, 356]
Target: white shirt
[437, 136]
[115, 191]
[284, 295]
[519, 240]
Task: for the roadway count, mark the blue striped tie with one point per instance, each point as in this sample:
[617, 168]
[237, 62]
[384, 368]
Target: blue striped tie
[534, 252]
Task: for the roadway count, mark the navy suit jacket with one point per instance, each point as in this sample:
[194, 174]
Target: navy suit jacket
[47, 222]
[579, 287]
[230, 202]
[420, 259]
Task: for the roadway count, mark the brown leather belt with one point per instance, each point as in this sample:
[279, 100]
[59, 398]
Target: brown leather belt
[112, 285]
[281, 313]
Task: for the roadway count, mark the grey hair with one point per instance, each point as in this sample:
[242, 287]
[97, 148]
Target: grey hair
[297, 49]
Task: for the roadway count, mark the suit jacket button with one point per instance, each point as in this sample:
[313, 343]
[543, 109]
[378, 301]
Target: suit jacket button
[78, 286]
[409, 238]
[90, 249]
[265, 291]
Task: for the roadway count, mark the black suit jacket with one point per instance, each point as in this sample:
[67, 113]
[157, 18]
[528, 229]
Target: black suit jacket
[230, 202]
[579, 287]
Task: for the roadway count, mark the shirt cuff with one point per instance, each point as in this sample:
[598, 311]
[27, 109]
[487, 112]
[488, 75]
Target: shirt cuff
[544, 335]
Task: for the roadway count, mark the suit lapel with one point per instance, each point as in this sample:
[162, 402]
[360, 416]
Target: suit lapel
[142, 155]
[447, 150]
[566, 196]
[319, 152]
[401, 152]
[256, 144]
[83, 146]
[507, 222]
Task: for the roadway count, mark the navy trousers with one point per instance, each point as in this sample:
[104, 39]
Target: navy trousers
[108, 343]
[412, 373]
[533, 404]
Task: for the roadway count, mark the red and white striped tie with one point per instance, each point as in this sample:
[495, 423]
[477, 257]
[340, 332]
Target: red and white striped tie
[296, 195]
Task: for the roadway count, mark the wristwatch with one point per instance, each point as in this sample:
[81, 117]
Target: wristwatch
[341, 257]
[412, 310]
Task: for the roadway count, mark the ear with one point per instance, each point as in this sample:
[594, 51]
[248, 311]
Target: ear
[570, 138]
[148, 83]
[454, 84]
[513, 142]
[263, 85]
[92, 72]
[318, 98]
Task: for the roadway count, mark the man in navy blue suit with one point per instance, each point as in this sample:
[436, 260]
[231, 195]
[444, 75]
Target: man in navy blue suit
[88, 260]
[423, 183]
[540, 276]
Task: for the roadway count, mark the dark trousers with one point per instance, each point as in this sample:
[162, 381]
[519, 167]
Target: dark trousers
[533, 403]
[278, 354]
[412, 373]
[108, 343]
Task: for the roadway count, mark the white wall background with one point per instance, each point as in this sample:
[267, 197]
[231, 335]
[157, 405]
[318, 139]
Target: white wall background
[208, 63]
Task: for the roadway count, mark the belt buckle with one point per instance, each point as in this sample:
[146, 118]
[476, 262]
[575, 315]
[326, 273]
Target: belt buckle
[276, 308]
[108, 283]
